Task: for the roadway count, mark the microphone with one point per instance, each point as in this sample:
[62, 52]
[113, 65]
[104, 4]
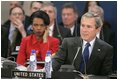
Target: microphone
[60, 36]
[81, 74]
[76, 55]
[69, 68]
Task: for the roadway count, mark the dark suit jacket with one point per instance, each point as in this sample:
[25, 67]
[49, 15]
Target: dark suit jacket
[100, 62]
[106, 34]
[4, 42]
[19, 36]
[60, 32]
[76, 31]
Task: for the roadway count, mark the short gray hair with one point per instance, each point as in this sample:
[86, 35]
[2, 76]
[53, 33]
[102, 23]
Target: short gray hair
[49, 4]
[99, 9]
[98, 20]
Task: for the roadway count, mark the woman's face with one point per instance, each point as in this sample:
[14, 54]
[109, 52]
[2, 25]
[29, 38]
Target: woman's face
[38, 27]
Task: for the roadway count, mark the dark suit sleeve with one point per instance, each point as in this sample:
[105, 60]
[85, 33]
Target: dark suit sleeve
[4, 42]
[59, 58]
[107, 63]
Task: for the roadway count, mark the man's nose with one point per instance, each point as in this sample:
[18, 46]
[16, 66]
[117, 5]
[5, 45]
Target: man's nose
[17, 16]
[65, 16]
[84, 29]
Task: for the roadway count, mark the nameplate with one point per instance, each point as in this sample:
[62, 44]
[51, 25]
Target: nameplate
[28, 74]
[17, 48]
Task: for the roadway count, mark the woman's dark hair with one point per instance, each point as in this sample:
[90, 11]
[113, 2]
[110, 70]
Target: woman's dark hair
[87, 4]
[42, 15]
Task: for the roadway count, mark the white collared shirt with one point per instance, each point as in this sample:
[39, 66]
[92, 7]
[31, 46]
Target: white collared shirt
[98, 35]
[90, 47]
[51, 28]
[72, 29]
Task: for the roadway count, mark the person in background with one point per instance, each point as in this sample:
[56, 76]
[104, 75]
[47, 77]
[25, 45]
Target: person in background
[13, 4]
[16, 29]
[69, 15]
[55, 30]
[16, 3]
[87, 5]
[90, 4]
[39, 40]
[106, 33]
[35, 6]
[93, 55]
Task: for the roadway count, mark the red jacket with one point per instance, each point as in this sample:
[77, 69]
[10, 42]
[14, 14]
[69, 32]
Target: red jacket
[30, 42]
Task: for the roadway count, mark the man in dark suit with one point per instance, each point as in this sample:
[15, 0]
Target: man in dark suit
[69, 16]
[99, 61]
[15, 28]
[106, 32]
[59, 32]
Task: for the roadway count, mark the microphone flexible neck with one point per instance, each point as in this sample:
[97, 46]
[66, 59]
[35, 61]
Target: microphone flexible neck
[76, 55]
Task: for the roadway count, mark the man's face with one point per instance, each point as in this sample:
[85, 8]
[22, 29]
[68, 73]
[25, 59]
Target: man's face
[35, 7]
[38, 27]
[68, 17]
[14, 4]
[16, 14]
[88, 29]
[96, 11]
[92, 3]
[51, 13]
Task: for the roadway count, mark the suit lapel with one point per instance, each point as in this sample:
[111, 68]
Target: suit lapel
[56, 32]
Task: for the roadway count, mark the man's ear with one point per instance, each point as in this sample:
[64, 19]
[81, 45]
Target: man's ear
[99, 29]
[9, 17]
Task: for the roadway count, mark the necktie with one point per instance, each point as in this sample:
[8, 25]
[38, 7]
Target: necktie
[12, 34]
[12, 38]
[84, 58]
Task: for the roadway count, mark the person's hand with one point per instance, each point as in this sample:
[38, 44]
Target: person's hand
[45, 36]
[53, 54]
[19, 25]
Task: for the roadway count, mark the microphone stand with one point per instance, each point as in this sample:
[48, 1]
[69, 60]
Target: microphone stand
[81, 74]
[84, 76]
[76, 55]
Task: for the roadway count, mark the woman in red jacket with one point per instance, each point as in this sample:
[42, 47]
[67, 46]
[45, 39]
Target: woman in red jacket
[39, 40]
